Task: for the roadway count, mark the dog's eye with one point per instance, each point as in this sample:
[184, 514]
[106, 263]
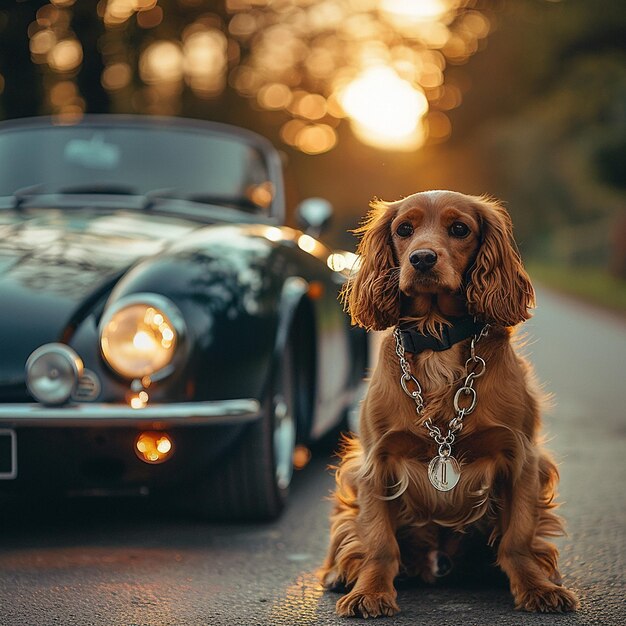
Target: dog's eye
[458, 229]
[405, 229]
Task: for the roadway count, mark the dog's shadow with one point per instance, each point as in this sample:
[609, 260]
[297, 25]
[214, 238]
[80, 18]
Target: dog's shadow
[474, 569]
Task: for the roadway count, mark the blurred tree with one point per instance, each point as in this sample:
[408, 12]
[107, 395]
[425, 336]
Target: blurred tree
[553, 131]
[22, 92]
[89, 80]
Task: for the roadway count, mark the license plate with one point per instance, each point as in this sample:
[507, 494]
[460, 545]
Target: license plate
[8, 454]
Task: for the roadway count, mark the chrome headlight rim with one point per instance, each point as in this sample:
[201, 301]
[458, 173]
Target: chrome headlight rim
[150, 299]
[39, 358]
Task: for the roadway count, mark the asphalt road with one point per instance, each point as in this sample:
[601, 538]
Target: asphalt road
[110, 563]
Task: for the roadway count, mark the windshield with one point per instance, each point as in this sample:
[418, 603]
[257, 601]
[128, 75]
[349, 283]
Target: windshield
[187, 163]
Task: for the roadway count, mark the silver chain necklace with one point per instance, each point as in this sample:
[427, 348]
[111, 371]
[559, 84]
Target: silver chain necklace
[444, 470]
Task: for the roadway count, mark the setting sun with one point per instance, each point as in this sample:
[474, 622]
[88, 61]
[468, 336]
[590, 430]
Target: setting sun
[424, 10]
[385, 110]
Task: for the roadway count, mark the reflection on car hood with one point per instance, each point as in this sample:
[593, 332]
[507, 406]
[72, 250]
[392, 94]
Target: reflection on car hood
[53, 261]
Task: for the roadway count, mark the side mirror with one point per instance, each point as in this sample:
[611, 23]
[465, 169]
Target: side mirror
[313, 215]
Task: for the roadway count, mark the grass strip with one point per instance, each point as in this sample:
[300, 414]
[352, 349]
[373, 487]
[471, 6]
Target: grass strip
[588, 283]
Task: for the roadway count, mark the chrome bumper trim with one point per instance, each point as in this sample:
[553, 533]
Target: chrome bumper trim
[93, 413]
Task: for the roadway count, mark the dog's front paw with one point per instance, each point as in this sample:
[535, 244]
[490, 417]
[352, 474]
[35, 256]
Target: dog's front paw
[549, 599]
[359, 604]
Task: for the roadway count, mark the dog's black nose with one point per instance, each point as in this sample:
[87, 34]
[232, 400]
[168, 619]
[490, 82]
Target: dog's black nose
[423, 259]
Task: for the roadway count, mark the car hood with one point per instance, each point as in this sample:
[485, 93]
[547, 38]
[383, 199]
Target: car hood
[55, 264]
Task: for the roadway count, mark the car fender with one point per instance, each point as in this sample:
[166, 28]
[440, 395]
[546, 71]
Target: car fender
[293, 293]
[238, 294]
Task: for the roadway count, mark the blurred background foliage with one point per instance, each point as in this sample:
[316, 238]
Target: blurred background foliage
[521, 99]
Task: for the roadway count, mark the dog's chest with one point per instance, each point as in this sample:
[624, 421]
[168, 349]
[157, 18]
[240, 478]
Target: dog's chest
[480, 457]
[438, 371]
[478, 449]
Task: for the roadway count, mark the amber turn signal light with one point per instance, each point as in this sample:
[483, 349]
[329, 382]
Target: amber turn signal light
[154, 447]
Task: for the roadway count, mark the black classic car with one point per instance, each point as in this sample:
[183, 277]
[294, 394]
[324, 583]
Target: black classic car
[161, 330]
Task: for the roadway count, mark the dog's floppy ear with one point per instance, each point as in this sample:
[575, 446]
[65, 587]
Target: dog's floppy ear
[499, 289]
[372, 294]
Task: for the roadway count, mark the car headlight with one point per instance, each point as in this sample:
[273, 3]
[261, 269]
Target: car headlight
[140, 333]
[52, 373]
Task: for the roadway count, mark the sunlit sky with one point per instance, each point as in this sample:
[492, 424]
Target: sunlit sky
[377, 65]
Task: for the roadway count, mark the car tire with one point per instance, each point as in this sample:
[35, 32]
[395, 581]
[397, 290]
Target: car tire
[252, 481]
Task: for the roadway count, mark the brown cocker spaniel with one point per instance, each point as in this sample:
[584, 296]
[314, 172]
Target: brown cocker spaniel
[450, 441]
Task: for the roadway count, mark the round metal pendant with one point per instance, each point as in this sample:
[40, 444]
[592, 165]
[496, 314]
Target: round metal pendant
[444, 472]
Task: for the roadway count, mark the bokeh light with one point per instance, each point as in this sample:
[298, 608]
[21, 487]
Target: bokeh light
[42, 42]
[150, 18]
[161, 62]
[380, 64]
[315, 138]
[116, 76]
[205, 60]
[65, 55]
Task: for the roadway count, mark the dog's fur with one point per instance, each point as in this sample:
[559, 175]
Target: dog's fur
[508, 481]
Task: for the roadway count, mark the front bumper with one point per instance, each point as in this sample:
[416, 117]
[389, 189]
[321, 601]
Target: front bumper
[219, 412]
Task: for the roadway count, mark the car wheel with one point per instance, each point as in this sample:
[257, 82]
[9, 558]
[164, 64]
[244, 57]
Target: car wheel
[252, 481]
